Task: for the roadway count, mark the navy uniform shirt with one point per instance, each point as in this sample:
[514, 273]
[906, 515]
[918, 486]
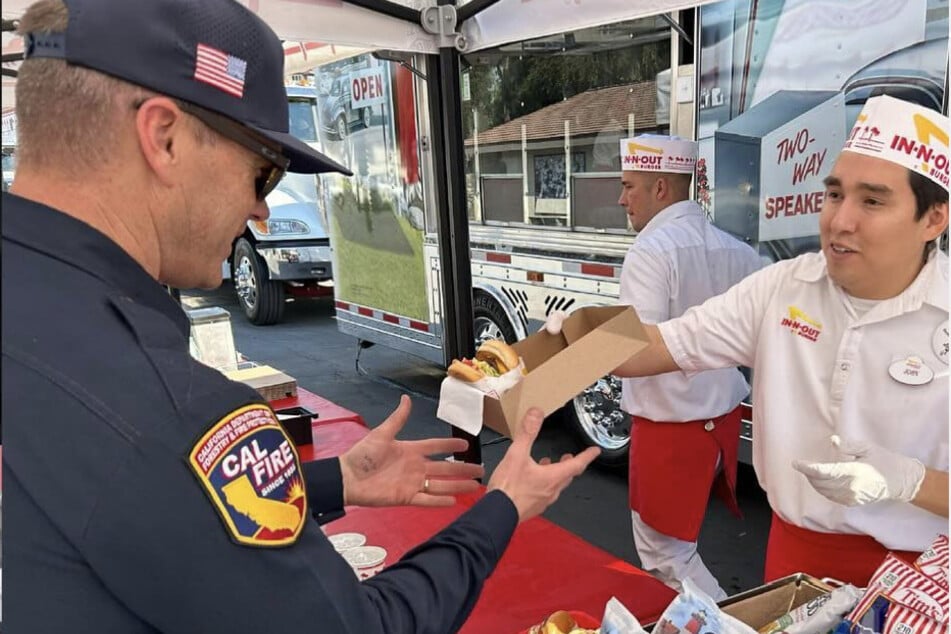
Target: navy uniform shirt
[146, 492]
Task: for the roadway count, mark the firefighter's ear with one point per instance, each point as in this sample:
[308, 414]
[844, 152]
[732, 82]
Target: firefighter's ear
[160, 127]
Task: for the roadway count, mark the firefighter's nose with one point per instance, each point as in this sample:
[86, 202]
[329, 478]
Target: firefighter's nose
[260, 211]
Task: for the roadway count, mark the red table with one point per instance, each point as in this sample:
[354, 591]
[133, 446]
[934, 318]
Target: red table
[334, 430]
[544, 569]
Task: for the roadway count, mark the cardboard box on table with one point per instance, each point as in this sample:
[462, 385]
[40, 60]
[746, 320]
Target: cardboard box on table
[271, 384]
[763, 605]
[593, 342]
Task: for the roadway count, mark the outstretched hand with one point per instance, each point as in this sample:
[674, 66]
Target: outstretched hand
[866, 474]
[534, 486]
[383, 471]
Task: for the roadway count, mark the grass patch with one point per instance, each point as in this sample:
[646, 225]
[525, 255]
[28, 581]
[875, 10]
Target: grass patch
[390, 280]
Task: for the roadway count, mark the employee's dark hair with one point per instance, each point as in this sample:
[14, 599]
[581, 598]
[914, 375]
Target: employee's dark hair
[927, 193]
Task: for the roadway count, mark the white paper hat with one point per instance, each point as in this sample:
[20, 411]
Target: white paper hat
[904, 133]
[656, 153]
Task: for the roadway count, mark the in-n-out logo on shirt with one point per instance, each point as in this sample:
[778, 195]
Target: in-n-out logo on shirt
[801, 324]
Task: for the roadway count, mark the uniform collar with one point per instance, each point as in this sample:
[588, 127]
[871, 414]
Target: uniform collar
[73, 242]
[672, 212]
[930, 287]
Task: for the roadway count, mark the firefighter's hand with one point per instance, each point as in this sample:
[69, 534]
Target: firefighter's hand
[554, 320]
[380, 470]
[867, 474]
[534, 486]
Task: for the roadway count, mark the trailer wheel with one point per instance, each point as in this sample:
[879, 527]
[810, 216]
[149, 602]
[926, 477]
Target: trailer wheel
[262, 299]
[597, 420]
[490, 321]
[366, 117]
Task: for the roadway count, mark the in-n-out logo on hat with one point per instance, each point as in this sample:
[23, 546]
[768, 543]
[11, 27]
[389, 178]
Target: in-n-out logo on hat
[904, 133]
[654, 153]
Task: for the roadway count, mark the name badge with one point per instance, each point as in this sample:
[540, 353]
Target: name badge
[911, 371]
[939, 342]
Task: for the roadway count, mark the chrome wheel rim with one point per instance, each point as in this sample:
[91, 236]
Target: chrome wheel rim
[486, 329]
[599, 413]
[245, 283]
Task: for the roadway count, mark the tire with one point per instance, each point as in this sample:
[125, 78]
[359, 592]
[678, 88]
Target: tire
[341, 129]
[490, 320]
[366, 117]
[261, 299]
[596, 418]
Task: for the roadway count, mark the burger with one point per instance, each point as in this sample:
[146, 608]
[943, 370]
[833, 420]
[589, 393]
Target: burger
[493, 358]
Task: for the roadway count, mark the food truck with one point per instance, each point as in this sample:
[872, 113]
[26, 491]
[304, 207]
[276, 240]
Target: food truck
[533, 223]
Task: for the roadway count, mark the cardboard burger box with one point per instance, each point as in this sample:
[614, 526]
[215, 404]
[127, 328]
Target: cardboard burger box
[593, 342]
[763, 605]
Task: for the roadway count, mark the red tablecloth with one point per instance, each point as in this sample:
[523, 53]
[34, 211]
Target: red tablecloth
[544, 569]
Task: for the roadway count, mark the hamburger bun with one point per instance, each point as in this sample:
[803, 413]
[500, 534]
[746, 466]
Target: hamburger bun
[499, 354]
[464, 372]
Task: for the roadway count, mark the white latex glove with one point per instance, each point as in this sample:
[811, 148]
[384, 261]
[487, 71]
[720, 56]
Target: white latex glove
[554, 320]
[868, 474]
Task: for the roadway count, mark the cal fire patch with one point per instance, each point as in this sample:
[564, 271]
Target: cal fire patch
[252, 474]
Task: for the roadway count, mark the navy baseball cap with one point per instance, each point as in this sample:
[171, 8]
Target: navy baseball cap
[215, 54]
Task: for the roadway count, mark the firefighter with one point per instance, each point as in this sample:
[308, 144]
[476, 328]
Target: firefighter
[144, 491]
[684, 430]
[849, 348]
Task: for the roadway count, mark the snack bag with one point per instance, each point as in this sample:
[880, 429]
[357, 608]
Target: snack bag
[934, 561]
[694, 612]
[619, 620]
[904, 584]
[885, 616]
[901, 619]
[818, 615]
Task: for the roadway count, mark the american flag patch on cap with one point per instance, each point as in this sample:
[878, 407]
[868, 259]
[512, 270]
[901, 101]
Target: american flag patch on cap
[223, 71]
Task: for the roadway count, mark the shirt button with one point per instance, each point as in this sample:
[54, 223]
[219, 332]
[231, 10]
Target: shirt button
[844, 366]
[709, 426]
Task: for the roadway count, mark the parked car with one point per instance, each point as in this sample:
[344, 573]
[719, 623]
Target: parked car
[337, 115]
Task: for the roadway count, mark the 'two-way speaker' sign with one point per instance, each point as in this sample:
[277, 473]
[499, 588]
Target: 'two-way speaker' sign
[795, 158]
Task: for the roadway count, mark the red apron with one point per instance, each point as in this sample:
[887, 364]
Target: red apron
[849, 558]
[673, 467]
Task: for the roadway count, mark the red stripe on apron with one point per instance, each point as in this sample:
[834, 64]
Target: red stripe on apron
[672, 469]
[849, 558]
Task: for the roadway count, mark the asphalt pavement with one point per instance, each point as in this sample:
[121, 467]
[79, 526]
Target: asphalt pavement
[308, 347]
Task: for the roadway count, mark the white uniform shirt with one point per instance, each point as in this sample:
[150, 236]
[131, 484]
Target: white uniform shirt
[820, 370]
[677, 261]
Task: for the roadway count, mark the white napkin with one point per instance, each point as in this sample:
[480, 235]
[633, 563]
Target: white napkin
[460, 403]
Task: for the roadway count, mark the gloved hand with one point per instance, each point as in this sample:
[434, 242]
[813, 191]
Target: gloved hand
[867, 474]
[554, 320]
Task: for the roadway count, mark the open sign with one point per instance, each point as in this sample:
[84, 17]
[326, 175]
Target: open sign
[367, 88]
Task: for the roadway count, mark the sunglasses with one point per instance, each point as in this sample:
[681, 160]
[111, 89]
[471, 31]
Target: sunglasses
[269, 177]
